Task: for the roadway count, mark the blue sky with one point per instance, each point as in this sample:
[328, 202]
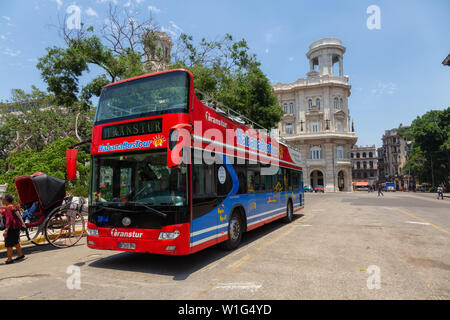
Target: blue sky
[395, 72]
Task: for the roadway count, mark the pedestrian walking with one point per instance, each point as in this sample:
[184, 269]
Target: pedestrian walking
[380, 191]
[440, 193]
[13, 224]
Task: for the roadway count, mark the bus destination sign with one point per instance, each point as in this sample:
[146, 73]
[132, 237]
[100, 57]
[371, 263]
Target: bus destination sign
[132, 129]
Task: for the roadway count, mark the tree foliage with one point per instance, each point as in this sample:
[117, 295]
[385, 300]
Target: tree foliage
[52, 161]
[430, 157]
[226, 71]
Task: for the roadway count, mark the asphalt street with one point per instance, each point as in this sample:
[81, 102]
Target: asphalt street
[341, 246]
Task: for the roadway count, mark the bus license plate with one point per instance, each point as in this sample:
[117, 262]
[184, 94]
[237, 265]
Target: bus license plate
[127, 245]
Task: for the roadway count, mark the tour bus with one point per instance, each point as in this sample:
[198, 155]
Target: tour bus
[173, 174]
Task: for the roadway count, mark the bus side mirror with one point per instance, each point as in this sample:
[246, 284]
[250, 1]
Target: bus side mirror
[71, 163]
[179, 137]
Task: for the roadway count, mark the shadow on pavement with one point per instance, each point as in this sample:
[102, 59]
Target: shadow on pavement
[32, 249]
[180, 267]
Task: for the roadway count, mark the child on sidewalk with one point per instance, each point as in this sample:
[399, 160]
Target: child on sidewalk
[13, 224]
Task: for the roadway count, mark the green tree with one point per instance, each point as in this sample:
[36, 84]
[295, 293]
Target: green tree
[33, 120]
[52, 161]
[430, 157]
[226, 71]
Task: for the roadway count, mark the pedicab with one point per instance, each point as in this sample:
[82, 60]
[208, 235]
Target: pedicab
[57, 219]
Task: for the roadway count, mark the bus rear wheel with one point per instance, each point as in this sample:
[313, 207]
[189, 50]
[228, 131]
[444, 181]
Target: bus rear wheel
[234, 233]
[290, 212]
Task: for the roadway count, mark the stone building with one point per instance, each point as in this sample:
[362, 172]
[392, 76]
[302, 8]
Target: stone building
[158, 46]
[365, 166]
[316, 117]
[394, 154]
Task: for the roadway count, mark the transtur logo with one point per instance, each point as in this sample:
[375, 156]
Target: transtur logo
[122, 234]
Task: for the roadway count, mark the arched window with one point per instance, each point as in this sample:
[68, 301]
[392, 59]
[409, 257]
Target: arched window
[291, 108]
[309, 103]
[285, 109]
[351, 155]
[336, 103]
[371, 164]
[364, 154]
[315, 152]
[357, 155]
[341, 105]
[365, 165]
[370, 155]
[358, 165]
[318, 103]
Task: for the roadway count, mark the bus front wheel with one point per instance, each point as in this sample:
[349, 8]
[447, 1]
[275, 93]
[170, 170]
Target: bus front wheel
[234, 233]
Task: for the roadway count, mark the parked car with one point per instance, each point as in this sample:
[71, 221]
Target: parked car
[308, 188]
[319, 189]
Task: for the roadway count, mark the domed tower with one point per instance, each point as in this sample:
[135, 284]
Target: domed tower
[158, 46]
[326, 57]
[317, 117]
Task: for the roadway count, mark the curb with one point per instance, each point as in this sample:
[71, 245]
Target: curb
[40, 239]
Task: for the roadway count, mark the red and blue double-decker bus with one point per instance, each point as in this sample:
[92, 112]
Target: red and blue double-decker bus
[172, 174]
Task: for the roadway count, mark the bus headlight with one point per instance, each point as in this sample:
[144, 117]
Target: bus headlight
[169, 235]
[92, 232]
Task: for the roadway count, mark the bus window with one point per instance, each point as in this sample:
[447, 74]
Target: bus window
[254, 178]
[295, 179]
[241, 173]
[204, 183]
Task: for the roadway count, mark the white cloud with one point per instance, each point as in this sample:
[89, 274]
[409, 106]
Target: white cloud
[266, 51]
[139, 1]
[91, 12]
[384, 88]
[291, 59]
[59, 3]
[173, 30]
[6, 18]
[11, 52]
[2, 37]
[154, 9]
[127, 4]
[175, 26]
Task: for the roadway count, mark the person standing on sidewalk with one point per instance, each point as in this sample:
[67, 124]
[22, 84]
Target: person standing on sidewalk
[13, 224]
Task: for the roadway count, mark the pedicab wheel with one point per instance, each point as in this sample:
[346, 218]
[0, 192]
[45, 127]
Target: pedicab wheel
[64, 227]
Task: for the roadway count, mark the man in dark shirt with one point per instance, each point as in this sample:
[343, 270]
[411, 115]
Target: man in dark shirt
[13, 224]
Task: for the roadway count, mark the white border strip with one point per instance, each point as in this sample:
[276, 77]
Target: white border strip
[226, 146]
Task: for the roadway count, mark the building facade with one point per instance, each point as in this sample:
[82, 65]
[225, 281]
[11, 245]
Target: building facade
[364, 166]
[394, 154]
[316, 117]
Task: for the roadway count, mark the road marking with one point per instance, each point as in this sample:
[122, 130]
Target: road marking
[415, 222]
[239, 286]
[240, 262]
[304, 225]
[423, 220]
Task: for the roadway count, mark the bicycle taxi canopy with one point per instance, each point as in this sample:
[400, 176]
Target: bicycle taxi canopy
[48, 190]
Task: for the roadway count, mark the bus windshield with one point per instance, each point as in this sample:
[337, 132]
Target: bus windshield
[138, 178]
[163, 93]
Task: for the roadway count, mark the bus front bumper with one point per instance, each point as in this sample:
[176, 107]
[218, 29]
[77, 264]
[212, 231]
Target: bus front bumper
[169, 240]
